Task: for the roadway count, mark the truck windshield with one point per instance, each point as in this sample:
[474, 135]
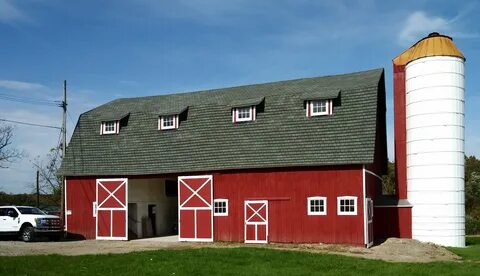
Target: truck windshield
[30, 211]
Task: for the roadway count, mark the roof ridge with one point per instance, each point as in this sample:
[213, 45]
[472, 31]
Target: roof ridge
[380, 69]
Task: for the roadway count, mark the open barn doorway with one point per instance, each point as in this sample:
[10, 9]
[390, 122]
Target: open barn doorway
[153, 208]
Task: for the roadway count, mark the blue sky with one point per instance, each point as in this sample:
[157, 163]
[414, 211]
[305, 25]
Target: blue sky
[111, 49]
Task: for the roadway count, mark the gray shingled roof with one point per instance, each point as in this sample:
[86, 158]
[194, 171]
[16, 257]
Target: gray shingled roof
[282, 135]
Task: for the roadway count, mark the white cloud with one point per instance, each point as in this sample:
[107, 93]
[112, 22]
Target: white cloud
[19, 85]
[9, 13]
[419, 24]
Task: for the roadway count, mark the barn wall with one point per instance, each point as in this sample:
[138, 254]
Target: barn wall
[80, 193]
[287, 192]
[393, 222]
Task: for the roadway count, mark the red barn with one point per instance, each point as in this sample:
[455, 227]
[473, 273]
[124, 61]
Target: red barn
[290, 161]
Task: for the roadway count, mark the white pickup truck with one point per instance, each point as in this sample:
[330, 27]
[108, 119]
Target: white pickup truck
[29, 222]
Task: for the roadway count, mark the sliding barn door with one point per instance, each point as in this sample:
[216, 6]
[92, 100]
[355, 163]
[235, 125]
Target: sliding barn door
[111, 209]
[195, 207]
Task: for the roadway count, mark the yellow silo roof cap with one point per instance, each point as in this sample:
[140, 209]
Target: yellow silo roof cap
[434, 44]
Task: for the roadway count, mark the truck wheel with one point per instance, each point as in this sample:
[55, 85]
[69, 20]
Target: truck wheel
[28, 234]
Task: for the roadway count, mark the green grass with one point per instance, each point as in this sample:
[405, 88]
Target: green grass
[223, 261]
[471, 252]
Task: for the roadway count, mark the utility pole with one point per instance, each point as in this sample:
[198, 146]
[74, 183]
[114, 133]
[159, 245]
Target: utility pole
[64, 147]
[38, 190]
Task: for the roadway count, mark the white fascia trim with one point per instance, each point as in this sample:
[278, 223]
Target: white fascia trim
[340, 213]
[319, 213]
[226, 207]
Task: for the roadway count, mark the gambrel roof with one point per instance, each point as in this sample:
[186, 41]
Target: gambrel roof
[207, 140]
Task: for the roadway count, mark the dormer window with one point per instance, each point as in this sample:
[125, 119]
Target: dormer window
[319, 107]
[168, 122]
[245, 110]
[110, 127]
[319, 102]
[244, 114]
[111, 123]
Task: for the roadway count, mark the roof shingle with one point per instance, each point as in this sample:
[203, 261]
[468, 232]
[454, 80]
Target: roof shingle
[207, 140]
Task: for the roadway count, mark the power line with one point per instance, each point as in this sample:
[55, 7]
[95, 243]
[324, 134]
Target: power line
[71, 119]
[29, 124]
[29, 100]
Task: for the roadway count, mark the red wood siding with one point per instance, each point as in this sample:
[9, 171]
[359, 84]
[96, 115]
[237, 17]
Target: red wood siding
[400, 130]
[287, 193]
[80, 194]
[393, 222]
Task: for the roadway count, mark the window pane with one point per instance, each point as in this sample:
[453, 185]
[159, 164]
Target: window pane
[319, 106]
[168, 121]
[109, 126]
[243, 113]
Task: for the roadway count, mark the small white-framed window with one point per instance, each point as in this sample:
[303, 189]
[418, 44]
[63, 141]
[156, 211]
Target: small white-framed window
[347, 205]
[316, 206]
[319, 107]
[220, 207]
[109, 127]
[168, 122]
[244, 114]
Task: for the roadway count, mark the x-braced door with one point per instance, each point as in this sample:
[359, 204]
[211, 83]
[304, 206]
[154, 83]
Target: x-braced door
[111, 209]
[256, 221]
[195, 208]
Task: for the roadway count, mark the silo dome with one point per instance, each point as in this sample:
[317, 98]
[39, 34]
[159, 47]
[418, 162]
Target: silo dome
[435, 139]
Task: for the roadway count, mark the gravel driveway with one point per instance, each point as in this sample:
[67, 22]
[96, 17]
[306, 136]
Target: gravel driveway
[393, 250]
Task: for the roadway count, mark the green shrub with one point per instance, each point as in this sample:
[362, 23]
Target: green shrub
[472, 225]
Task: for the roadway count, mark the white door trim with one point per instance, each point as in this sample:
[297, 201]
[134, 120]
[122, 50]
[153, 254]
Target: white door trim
[100, 208]
[256, 224]
[195, 209]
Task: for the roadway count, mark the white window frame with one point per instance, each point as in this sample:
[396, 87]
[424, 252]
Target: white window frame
[251, 113]
[219, 200]
[161, 122]
[316, 213]
[104, 127]
[347, 213]
[328, 111]
[327, 108]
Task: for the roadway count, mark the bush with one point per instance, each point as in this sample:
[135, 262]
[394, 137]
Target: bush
[472, 225]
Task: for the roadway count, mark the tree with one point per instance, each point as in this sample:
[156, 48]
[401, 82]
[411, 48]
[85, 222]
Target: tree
[388, 180]
[49, 182]
[7, 153]
[472, 194]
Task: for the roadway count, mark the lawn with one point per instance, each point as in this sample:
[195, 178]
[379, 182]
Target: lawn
[471, 252]
[223, 261]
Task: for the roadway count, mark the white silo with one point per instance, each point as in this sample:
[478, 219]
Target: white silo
[435, 135]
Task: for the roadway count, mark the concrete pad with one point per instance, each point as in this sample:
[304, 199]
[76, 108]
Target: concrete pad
[159, 239]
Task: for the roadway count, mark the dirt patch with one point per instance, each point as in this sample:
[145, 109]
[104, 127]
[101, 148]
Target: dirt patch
[392, 250]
